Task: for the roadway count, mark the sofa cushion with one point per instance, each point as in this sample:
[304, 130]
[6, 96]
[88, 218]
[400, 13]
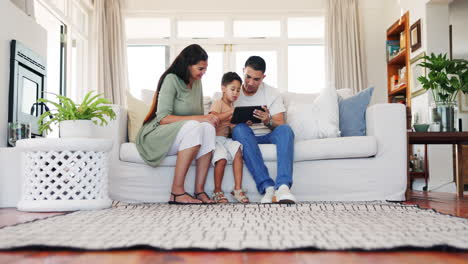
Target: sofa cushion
[314, 149]
[353, 113]
[315, 120]
[137, 111]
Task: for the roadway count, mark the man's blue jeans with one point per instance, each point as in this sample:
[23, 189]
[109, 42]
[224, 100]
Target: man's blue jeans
[283, 137]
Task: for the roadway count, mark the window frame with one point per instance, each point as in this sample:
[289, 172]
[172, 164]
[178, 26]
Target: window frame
[72, 30]
[282, 42]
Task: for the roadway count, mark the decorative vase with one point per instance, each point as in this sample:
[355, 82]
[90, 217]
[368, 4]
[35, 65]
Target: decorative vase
[444, 116]
[76, 129]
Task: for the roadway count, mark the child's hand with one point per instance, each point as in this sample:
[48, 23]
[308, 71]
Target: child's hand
[249, 123]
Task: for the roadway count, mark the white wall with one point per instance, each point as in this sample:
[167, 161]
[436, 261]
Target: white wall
[15, 25]
[373, 35]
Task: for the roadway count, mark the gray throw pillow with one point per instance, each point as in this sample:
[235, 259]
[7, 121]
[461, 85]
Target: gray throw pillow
[353, 113]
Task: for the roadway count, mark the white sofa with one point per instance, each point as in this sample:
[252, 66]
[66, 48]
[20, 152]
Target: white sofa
[371, 167]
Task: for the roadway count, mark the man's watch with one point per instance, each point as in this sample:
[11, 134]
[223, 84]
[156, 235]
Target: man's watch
[270, 122]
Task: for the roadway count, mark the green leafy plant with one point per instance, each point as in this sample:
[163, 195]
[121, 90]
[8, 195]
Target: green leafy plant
[446, 77]
[94, 108]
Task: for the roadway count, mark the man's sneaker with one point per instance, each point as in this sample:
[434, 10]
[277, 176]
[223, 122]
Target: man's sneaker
[269, 193]
[284, 195]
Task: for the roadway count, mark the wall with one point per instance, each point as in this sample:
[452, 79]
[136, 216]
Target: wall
[26, 31]
[15, 25]
[373, 35]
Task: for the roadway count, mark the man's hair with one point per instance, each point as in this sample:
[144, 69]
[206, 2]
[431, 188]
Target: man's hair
[228, 77]
[256, 63]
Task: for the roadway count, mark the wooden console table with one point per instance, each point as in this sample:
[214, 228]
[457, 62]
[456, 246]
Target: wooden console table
[456, 138]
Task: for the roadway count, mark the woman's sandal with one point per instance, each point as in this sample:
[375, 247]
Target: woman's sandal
[240, 196]
[219, 197]
[200, 193]
[182, 194]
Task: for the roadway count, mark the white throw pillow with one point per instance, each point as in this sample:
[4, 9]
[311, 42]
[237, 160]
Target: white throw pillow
[319, 119]
[136, 111]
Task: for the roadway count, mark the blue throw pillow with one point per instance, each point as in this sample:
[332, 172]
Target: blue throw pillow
[353, 113]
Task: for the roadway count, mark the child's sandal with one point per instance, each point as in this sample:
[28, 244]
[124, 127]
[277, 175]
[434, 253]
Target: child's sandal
[219, 197]
[240, 196]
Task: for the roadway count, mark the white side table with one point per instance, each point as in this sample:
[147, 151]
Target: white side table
[64, 174]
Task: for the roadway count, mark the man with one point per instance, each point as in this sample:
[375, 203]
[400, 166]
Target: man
[271, 130]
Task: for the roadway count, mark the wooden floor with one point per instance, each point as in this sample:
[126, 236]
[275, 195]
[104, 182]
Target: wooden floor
[441, 202]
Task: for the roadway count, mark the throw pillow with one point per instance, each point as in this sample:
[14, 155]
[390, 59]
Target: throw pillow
[353, 113]
[316, 120]
[136, 111]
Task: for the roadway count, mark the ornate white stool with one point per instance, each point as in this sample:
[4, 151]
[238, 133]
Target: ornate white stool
[64, 174]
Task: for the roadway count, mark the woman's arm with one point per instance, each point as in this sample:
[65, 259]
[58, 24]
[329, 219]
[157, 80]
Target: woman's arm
[166, 96]
[223, 116]
[210, 118]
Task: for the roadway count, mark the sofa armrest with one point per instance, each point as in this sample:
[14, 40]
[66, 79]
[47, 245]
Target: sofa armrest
[387, 123]
[115, 130]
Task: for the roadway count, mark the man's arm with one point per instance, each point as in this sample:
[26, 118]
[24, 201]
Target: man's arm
[276, 120]
[269, 121]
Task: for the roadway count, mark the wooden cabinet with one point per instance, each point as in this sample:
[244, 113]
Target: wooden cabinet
[398, 61]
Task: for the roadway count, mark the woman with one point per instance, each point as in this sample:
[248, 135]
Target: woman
[175, 124]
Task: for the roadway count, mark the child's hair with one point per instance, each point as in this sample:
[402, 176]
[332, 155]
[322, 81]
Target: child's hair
[228, 77]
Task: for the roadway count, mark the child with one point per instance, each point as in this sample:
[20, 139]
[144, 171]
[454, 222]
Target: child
[226, 148]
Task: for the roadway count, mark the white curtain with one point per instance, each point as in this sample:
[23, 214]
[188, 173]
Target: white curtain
[109, 50]
[343, 47]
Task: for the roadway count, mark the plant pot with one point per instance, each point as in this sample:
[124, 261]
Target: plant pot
[444, 116]
[76, 129]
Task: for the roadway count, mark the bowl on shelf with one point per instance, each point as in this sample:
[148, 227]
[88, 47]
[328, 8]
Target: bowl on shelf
[421, 127]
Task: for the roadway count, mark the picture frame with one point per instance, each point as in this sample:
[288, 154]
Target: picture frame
[415, 35]
[415, 72]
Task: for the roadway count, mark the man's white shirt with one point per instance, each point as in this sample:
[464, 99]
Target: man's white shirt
[265, 95]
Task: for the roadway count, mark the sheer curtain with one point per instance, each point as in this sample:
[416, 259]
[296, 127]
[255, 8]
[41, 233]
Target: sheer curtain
[109, 50]
[343, 47]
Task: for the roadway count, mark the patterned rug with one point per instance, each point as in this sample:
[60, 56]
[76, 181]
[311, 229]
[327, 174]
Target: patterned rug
[316, 225]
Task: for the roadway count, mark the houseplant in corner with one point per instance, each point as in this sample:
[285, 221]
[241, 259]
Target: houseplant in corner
[445, 80]
[76, 120]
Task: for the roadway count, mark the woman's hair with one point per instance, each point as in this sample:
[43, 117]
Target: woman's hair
[229, 77]
[190, 55]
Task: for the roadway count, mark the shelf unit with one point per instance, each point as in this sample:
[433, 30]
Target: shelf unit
[397, 33]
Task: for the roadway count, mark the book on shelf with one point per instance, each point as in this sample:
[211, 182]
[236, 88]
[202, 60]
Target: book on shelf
[402, 40]
[399, 99]
[393, 48]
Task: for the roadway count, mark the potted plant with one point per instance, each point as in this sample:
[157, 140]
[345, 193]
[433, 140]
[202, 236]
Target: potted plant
[76, 120]
[445, 80]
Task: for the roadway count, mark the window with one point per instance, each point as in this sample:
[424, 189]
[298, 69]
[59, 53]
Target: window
[257, 29]
[306, 71]
[200, 29]
[147, 28]
[146, 64]
[66, 23]
[292, 47]
[271, 60]
[55, 60]
[306, 27]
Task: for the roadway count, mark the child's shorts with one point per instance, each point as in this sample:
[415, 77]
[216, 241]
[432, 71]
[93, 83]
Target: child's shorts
[226, 148]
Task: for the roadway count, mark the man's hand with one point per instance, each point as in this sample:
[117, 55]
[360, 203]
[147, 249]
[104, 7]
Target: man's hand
[264, 115]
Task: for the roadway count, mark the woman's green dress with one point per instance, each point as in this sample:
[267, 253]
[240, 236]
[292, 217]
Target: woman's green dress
[154, 140]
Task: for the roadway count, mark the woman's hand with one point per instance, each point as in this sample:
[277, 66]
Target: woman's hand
[264, 115]
[212, 119]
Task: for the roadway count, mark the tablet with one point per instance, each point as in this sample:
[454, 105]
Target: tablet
[243, 114]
